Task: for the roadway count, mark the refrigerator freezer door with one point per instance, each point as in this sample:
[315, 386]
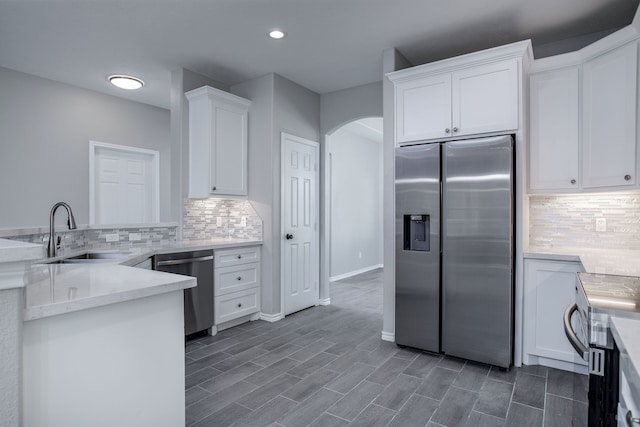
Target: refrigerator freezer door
[477, 258]
[418, 246]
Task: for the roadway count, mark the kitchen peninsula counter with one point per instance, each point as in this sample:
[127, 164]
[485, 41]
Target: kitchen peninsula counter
[53, 289]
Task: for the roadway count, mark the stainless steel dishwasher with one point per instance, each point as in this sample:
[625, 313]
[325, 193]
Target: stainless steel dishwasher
[198, 301]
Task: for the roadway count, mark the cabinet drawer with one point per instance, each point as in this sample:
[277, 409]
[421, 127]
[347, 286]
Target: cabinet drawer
[235, 256]
[237, 304]
[236, 278]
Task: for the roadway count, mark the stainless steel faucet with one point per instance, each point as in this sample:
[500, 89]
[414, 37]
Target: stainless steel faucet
[71, 223]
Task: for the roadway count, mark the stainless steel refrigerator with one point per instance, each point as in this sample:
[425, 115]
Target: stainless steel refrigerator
[454, 248]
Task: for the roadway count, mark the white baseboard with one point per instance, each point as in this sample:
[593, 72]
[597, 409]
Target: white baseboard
[326, 301]
[388, 336]
[355, 272]
[271, 317]
[578, 368]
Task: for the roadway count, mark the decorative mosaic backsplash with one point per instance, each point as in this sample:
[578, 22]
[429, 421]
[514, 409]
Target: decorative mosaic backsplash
[201, 219]
[570, 220]
[96, 238]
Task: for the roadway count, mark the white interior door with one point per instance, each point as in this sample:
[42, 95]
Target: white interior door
[300, 237]
[124, 185]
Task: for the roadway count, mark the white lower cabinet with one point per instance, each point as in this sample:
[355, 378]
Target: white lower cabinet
[549, 288]
[236, 283]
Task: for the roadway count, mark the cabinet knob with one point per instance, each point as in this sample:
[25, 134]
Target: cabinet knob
[239, 256]
[573, 182]
[213, 188]
[239, 305]
[455, 129]
[239, 278]
[627, 177]
[447, 130]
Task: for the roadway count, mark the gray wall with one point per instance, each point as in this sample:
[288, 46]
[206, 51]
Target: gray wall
[392, 60]
[45, 129]
[356, 201]
[278, 105]
[344, 106]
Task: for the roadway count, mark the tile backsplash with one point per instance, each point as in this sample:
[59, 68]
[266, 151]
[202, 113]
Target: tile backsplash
[96, 238]
[202, 216]
[569, 220]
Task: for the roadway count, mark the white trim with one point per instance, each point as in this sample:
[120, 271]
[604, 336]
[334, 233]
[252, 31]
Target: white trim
[326, 301]
[271, 317]
[388, 336]
[355, 272]
[155, 161]
[283, 137]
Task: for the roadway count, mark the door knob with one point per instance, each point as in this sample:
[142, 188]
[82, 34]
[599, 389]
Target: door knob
[289, 236]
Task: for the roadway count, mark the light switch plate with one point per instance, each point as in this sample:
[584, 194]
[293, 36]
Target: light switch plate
[601, 224]
[113, 237]
[135, 237]
[243, 221]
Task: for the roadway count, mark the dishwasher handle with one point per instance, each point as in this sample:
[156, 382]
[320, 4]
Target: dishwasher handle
[575, 342]
[184, 261]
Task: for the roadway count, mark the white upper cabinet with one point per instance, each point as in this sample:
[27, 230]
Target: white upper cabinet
[218, 123]
[485, 98]
[555, 125]
[423, 108]
[472, 94]
[583, 118]
[609, 94]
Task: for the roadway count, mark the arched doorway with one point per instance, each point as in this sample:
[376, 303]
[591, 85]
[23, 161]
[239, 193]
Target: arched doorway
[353, 198]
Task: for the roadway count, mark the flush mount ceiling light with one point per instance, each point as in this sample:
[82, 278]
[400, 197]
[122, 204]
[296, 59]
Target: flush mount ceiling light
[276, 34]
[126, 82]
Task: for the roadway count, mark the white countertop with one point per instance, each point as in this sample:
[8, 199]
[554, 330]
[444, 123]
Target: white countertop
[597, 261]
[626, 333]
[60, 288]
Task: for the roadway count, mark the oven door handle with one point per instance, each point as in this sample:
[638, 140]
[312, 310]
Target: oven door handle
[580, 348]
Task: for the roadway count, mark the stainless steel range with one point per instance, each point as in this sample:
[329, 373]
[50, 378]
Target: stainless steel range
[599, 297]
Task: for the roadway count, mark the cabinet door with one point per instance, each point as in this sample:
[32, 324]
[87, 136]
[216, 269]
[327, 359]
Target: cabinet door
[609, 118]
[485, 98]
[228, 173]
[423, 108]
[549, 289]
[554, 136]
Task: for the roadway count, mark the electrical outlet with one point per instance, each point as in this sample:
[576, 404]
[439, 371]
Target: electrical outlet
[135, 237]
[113, 237]
[243, 221]
[601, 224]
[219, 221]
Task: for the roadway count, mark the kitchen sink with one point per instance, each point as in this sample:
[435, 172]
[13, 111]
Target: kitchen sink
[93, 257]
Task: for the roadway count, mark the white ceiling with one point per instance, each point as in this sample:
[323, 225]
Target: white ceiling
[331, 44]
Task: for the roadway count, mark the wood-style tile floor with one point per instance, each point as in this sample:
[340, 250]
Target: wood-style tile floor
[327, 366]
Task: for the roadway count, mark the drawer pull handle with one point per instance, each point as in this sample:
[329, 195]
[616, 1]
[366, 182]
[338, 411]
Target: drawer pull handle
[239, 277]
[239, 305]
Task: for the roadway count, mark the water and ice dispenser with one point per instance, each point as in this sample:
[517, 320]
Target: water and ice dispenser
[416, 233]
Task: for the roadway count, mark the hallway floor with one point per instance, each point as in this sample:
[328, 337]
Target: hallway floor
[327, 366]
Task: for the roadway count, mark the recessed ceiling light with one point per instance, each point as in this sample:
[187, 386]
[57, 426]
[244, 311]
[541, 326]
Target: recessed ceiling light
[126, 82]
[276, 34]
